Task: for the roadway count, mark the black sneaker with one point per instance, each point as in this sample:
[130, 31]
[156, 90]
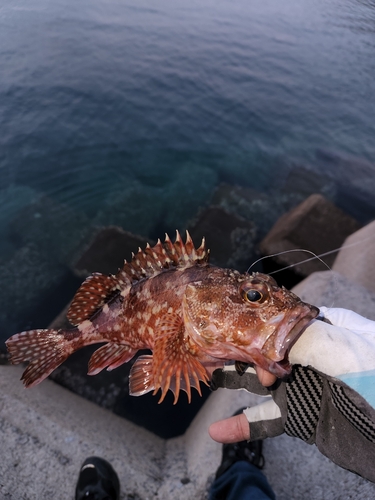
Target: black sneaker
[247, 451]
[97, 481]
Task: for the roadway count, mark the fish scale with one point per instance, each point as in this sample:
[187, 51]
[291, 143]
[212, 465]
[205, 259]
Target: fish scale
[193, 317]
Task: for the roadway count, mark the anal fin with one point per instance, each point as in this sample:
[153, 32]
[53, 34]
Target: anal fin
[110, 356]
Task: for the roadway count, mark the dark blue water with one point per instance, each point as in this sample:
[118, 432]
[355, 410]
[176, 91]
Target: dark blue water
[132, 112]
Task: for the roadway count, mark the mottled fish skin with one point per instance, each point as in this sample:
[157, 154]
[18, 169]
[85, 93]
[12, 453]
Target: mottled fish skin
[247, 318]
[151, 303]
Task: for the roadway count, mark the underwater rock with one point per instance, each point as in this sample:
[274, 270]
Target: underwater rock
[316, 225]
[13, 199]
[355, 181]
[191, 189]
[303, 182]
[54, 227]
[107, 250]
[261, 209]
[152, 210]
[132, 206]
[27, 296]
[229, 238]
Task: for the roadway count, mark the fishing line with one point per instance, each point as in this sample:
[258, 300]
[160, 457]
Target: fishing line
[349, 245]
[335, 277]
[295, 264]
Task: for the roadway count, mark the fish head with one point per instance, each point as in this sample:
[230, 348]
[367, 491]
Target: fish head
[246, 318]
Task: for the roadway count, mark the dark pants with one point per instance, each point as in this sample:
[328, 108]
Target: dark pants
[242, 481]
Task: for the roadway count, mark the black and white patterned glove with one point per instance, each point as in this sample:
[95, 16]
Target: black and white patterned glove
[329, 399]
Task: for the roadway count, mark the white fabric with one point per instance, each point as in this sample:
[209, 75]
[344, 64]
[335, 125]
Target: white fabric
[337, 350]
[268, 410]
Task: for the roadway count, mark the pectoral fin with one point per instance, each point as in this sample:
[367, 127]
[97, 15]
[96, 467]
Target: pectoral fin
[176, 363]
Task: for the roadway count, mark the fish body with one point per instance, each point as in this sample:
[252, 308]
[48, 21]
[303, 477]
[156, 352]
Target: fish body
[193, 317]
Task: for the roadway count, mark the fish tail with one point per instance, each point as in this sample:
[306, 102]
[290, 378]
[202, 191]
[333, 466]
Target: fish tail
[44, 349]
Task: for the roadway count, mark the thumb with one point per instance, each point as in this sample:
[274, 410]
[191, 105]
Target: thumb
[230, 430]
[264, 419]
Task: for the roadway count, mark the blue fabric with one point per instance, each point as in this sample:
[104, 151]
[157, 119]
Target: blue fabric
[242, 481]
[363, 383]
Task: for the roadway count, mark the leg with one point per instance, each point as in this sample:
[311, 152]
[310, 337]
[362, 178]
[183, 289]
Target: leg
[239, 476]
[242, 481]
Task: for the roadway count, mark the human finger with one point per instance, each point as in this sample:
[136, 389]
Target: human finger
[230, 430]
[265, 378]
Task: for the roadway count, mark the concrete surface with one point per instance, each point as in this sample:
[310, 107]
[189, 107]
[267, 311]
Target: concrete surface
[331, 289]
[47, 432]
[356, 260]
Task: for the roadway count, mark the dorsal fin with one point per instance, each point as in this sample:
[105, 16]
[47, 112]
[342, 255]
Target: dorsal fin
[98, 289]
[94, 292]
[152, 260]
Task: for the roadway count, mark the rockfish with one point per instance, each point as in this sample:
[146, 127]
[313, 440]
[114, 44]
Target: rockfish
[192, 316]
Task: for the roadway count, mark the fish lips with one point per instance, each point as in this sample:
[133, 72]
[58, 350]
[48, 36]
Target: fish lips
[276, 349]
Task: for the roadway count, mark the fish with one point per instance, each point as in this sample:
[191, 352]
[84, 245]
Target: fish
[192, 316]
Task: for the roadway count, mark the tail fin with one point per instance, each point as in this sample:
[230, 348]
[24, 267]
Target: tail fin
[45, 349]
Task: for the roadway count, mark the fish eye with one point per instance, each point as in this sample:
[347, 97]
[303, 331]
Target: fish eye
[254, 293]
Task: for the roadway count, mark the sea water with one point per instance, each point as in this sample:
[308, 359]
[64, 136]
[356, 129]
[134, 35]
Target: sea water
[132, 112]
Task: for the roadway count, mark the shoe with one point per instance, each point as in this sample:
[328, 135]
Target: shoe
[97, 481]
[234, 452]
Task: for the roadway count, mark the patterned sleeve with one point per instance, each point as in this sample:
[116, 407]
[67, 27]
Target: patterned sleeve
[325, 411]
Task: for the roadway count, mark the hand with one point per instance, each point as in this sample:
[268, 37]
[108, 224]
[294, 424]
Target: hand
[347, 347]
[235, 429]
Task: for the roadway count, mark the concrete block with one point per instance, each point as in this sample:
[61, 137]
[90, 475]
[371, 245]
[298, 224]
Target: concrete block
[356, 259]
[316, 225]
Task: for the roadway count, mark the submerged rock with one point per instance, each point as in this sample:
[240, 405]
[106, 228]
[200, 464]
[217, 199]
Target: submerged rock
[36, 288]
[13, 199]
[54, 227]
[355, 181]
[190, 190]
[135, 207]
[229, 238]
[261, 209]
[303, 182]
[106, 252]
[149, 210]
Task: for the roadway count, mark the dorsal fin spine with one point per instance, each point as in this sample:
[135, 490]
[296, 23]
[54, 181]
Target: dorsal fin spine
[153, 260]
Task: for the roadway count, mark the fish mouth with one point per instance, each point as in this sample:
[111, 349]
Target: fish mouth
[277, 347]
